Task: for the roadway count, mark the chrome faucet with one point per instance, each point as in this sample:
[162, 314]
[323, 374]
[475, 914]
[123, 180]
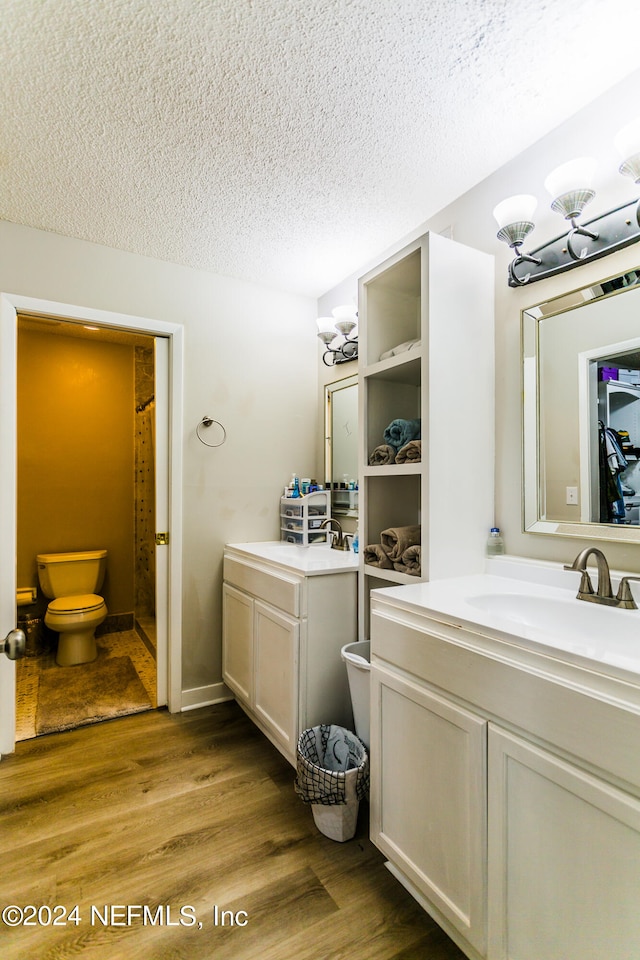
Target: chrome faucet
[338, 540]
[624, 597]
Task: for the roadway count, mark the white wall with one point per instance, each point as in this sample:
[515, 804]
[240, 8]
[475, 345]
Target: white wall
[250, 362]
[590, 132]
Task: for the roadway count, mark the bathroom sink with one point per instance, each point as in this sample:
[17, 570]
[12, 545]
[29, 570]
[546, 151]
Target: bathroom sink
[539, 614]
[316, 559]
[589, 629]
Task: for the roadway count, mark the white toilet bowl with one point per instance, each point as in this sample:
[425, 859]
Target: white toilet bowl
[70, 581]
[75, 620]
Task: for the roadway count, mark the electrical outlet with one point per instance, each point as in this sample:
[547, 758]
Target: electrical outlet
[572, 495]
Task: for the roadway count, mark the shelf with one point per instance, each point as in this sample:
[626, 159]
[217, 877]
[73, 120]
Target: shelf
[393, 469]
[391, 575]
[417, 295]
[405, 368]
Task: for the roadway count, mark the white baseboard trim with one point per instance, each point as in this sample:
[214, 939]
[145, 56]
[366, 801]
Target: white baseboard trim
[205, 696]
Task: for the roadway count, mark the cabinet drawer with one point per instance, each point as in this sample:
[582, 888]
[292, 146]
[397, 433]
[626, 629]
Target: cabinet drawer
[278, 590]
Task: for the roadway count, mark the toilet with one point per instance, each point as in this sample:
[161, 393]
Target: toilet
[70, 581]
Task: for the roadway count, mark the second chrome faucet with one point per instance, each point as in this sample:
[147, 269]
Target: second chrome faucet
[339, 540]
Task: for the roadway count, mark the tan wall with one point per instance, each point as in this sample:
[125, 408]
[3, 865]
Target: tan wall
[75, 455]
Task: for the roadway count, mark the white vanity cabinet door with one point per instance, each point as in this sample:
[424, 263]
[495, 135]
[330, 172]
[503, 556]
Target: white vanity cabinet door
[282, 634]
[237, 642]
[277, 653]
[564, 859]
[428, 798]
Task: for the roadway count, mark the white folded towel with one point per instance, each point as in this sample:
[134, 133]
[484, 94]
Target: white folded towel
[400, 348]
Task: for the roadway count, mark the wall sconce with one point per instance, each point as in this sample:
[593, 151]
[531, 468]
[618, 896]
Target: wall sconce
[335, 333]
[571, 188]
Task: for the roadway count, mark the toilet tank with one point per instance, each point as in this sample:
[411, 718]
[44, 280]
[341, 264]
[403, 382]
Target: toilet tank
[71, 574]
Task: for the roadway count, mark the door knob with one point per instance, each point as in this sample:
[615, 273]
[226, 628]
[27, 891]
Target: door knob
[14, 644]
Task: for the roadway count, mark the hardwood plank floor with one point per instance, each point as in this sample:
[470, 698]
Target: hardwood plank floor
[193, 811]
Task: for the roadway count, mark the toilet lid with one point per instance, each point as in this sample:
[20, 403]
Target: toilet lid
[85, 601]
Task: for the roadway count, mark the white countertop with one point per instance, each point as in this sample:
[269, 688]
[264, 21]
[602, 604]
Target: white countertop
[533, 605]
[309, 561]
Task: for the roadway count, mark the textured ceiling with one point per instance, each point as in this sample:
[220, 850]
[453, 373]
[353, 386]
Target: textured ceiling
[283, 141]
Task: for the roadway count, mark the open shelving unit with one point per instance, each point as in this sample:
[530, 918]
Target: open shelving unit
[440, 293]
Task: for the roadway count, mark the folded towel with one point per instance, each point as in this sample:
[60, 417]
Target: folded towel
[400, 348]
[385, 453]
[395, 540]
[376, 556]
[410, 562]
[411, 452]
[400, 432]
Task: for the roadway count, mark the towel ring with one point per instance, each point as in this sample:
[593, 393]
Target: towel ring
[207, 422]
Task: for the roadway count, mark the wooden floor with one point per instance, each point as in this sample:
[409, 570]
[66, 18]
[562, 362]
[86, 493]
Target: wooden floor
[192, 811]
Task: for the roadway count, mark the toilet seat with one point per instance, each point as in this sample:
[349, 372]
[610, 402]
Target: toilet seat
[85, 602]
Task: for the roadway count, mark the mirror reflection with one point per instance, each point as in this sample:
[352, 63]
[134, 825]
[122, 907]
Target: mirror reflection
[581, 377]
[341, 445]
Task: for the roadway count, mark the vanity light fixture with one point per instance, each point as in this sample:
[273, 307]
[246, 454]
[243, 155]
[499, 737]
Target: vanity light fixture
[336, 334]
[571, 188]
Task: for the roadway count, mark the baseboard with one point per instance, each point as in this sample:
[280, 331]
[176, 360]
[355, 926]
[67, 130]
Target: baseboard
[115, 623]
[205, 696]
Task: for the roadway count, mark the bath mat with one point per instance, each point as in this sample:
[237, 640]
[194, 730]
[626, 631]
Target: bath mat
[73, 696]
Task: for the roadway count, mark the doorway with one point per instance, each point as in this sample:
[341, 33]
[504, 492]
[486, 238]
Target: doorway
[169, 370]
[86, 481]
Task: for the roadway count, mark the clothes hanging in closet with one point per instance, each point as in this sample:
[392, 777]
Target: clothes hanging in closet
[612, 463]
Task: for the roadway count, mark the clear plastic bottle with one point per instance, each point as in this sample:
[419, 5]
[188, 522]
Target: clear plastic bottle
[495, 543]
[295, 487]
[355, 543]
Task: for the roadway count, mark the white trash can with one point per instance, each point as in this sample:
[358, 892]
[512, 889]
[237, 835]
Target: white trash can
[357, 657]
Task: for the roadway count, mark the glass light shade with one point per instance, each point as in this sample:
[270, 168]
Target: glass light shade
[627, 140]
[574, 175]
[326, 325]
[345, 312]
[326, 329]
[345, 326]
[517, 209]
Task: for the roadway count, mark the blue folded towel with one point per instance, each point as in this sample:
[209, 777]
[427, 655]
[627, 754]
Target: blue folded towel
[401, 432]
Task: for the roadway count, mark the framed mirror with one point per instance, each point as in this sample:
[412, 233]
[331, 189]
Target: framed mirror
[341, 445]
[581, 412]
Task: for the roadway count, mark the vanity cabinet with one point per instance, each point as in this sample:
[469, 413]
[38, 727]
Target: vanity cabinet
[438, 296]
[428, 796]
[564, 858]
[505, 790]
[284, 622]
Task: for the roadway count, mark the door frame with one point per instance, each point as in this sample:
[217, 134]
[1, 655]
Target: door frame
[10, 306]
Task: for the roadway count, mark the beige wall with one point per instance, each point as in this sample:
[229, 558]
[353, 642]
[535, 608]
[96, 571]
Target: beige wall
[75, 455]
[250, 362]
[470, 220]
